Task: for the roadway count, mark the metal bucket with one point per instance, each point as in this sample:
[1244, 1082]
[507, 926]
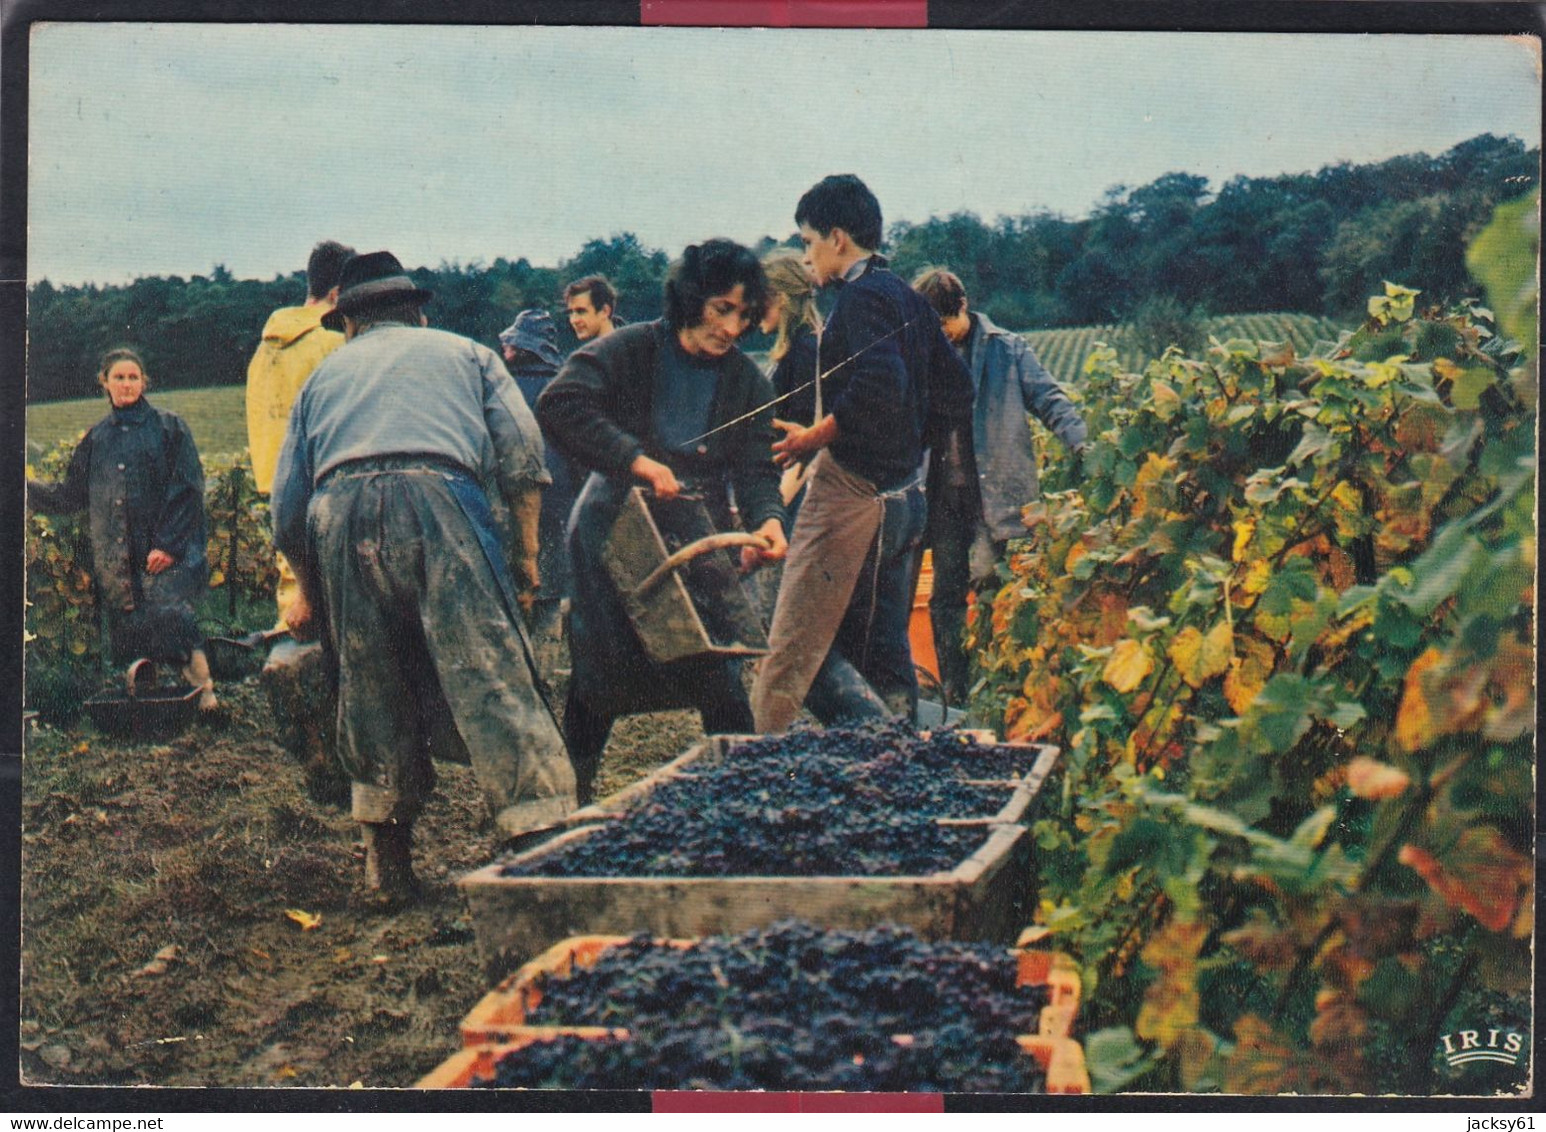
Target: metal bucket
[142, 709]
[679, 583]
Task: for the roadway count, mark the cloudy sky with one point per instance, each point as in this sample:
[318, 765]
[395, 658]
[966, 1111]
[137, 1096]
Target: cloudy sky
[159, 149]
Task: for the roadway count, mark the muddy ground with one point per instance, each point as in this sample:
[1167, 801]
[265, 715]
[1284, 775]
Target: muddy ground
[158, 882]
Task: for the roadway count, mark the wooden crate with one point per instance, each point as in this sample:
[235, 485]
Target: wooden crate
[500, 1016]
[515, 918]
[1061, 1060]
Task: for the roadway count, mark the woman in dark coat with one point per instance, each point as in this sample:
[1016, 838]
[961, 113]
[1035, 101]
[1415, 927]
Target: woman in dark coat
[651, 405]
[137, 475]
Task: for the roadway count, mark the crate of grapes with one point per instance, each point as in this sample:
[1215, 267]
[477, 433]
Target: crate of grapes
[845, 828]
[506, 1012]
[1061, 1061]
[681, 588]
[788, 1007]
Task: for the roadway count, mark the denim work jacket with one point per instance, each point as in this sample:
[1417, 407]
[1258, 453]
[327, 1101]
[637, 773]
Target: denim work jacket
[1008, 381]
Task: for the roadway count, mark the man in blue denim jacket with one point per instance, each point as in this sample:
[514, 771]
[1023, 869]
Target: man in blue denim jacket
[968, 531]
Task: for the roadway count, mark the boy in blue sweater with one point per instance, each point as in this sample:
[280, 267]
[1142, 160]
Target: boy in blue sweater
[897, 392]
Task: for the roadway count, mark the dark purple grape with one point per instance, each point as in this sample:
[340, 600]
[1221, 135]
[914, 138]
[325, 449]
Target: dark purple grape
[858, 801]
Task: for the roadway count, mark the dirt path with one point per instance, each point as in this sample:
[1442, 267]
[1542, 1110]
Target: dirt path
[196, 849]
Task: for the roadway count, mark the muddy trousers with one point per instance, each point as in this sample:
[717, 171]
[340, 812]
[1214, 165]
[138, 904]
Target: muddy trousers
[432, 659]
[722, 706]
[838, 643]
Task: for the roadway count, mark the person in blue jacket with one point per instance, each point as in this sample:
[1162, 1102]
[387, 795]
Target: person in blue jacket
[137, 476]
[968, 531]
[898, 405]
[530, 345]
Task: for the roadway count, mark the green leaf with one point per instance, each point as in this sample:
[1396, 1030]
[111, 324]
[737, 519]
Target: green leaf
[1466, 392]
[1346, 714]
[1503, 258]
[1294, 580]
[1115, 1059]
[1283, 710]
[1438, 572]
[1312, 831]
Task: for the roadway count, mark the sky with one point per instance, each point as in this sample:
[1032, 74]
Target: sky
[166, 149]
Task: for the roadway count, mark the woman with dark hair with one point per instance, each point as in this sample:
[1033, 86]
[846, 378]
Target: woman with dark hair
[137, 475]
[670, 406]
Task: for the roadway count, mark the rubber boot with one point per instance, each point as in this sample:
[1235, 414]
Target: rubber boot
[196, 672]
[389, 865]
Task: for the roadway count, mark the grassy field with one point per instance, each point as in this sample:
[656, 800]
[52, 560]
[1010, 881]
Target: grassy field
[217, 415]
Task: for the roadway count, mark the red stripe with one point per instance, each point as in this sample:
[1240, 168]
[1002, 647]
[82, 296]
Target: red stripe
[665, 1101]
[786, 13]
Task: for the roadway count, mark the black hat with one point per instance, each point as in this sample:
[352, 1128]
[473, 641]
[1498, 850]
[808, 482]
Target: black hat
[371, 280]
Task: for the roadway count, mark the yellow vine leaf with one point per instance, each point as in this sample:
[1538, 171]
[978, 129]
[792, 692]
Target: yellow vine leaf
[1127, 666]
[1165, 400]
[1171, 1003]
[1199, 658]
[1075, 552]
[1415, 722]
[1257, 575]
[307, 920]
[1247, 675]
[1244, 529]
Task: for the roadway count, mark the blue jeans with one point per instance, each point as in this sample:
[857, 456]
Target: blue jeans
[872, 640]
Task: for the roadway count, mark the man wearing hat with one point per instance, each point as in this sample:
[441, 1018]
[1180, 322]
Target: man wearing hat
[378, 501]
[530, 345]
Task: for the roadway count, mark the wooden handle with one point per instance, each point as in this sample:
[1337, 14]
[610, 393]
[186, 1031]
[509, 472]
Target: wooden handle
[723, 541]
[140, 666]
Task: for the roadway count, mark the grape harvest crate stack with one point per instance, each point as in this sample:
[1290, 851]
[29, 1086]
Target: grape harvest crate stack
[844, 828]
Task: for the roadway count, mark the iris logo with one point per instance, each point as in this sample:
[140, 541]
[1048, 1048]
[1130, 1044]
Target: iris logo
[1466, 1046]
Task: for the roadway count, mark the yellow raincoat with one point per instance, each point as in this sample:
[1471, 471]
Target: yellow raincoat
[294, 342]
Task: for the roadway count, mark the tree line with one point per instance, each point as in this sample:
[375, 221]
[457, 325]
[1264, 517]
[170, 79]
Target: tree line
[1311, 242]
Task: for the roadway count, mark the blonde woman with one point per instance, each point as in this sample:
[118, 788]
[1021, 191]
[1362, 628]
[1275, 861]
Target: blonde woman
[792, 313]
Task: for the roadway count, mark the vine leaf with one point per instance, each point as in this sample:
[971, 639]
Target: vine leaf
[1171, 1003]
[1482, 875]
[1127, 666]
[1247, 675]
[1415, 718]
[1199, 658]
[1261, 1062]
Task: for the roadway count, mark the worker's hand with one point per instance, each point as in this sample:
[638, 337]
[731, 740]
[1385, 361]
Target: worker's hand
[157, 561]
[778, 546]
[656, 476]
[300, 617]
[1076, 458]
[799, 441]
